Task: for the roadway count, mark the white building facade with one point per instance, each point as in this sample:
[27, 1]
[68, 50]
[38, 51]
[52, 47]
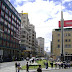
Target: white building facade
[28, 35]
[41, 45]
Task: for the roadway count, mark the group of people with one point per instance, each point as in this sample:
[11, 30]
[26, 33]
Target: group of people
[62, 65]
[18, 67]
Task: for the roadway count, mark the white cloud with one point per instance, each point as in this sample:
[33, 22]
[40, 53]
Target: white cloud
[39, 12]
[66, 1]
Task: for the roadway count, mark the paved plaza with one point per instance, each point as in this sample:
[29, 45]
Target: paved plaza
[12, 69]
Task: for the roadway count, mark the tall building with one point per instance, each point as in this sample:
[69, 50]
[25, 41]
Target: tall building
[41, 46]
[32, 38]
[28, 36]
[10, 23]
[56, 43]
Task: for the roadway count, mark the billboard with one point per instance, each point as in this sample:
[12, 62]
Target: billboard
[67, 23]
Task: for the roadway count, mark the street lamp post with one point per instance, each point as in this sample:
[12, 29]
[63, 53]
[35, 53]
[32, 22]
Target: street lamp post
[62, 37]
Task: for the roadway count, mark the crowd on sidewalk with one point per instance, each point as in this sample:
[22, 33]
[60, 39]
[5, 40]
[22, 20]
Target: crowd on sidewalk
[59, 65]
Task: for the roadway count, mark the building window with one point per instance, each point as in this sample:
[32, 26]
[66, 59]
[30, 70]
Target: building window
[1, 34]
[0, 42]
[65, 40]
[9, 13]
[6, 16]
[5, 29]
[0, 3]
[69, 46]
[23, 32]
[3, 6]
[22, 36]
[4, 36]
[9, 25]
[58, 40]
[29, 36]
[66, 46]
[8, 31]
[4, 43]
[9, 19]
[69, 34]
[7, 44]
[58, 46]
[69, 40]
[11, 33]
[15, 18]
[22, 40]
[12, 16]
[58, 34]
[2, 13]
[10, 6]
[65, 34]
[5, 22]
[1, 27]
[2, 20]
[6, 10]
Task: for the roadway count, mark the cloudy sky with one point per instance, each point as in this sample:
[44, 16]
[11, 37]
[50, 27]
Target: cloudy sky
[44, 14]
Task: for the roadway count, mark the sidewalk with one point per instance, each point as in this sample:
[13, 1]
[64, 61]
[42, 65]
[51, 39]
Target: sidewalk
[44, 69]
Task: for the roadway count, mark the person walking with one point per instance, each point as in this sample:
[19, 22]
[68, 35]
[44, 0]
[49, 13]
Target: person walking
[19, 67]
[46, 65]
[55, 65]
[16, 66]
[39, 69]
[51, 64]
[27, 67]
[62, 65]
[59, 65]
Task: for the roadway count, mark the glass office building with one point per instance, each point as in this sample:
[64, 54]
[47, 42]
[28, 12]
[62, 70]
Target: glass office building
[10, 24]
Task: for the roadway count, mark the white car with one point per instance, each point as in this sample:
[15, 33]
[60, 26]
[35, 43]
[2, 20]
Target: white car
[27, 58]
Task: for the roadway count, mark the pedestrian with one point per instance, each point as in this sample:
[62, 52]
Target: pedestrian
[16, 66]
[59, 66]
[46, 65]
[55, 65]
[39, 69]
[51, 64]
[62, 65]
[27, 67]
[19, 67]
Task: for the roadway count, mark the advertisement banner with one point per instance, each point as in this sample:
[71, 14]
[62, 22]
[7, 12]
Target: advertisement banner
[67, 23]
